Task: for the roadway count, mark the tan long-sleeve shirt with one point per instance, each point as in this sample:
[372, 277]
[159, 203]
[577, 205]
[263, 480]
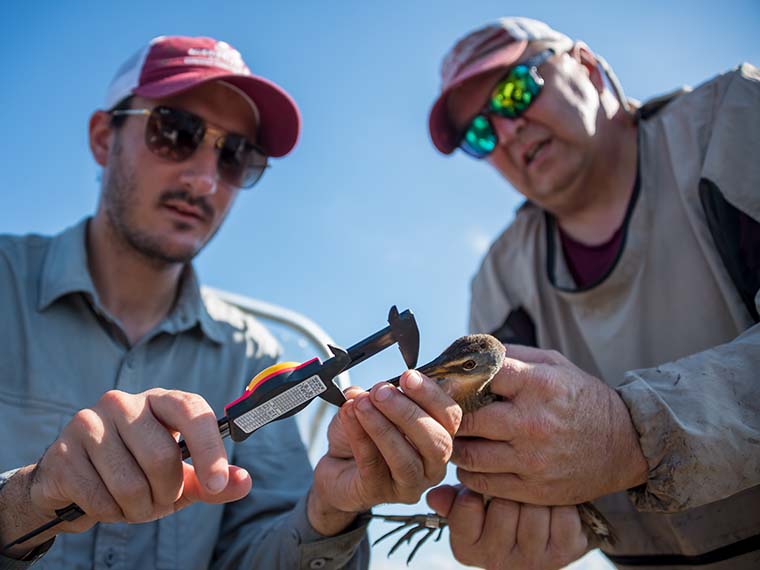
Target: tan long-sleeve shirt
[666, 327]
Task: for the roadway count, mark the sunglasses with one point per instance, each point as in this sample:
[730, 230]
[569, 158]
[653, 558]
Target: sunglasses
[512, 96]
[175, 134]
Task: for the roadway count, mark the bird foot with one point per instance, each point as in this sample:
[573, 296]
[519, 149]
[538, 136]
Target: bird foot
[414, 524]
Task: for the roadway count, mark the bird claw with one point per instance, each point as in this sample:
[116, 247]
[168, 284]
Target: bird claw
[415, 525]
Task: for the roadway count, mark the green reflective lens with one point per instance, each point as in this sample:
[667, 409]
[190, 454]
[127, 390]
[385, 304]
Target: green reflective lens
[510, 99]
[514, 94]
[479, 139]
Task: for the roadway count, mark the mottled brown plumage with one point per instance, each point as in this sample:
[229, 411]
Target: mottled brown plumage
[465, 370]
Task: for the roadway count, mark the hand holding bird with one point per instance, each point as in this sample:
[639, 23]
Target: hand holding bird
[511, 452]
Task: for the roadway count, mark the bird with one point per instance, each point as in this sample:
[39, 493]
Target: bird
[465, 370]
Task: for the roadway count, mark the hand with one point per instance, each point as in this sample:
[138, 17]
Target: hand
[560, 436]
[120, 462]
[385, 446]
[508, 535]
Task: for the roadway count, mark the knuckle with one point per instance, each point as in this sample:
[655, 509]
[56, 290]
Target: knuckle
[443, 449]
[114, 400]
[554, 355]
[383, 430]
[478, 482]
[411, 413]
[454, 419]
[465, 457]
[131, 492]
[110, 513]
[467, 422]
[103, 506]
[465, 555]
[191, 405]
[160, 456]
[411, 471]
[87, 420]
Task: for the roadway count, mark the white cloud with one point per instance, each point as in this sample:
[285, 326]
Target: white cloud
[478, 241]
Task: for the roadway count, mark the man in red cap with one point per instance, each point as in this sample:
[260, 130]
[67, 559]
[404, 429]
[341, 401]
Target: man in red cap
[100, 315]
[632, 272]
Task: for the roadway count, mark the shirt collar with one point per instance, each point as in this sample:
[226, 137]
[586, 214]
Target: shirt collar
[65, 271]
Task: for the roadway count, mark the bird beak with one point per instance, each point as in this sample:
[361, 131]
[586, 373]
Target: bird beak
[436, 368]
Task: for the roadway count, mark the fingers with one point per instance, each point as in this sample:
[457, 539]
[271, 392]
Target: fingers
[239, 484]
[386, 445]
[533, 528]
[516, 376]
[412, 434]
[65, 474]
[441, 499]
[117, 468]
[498, 421]
[466, 520]
[387, 457]
[369, 458]
[484, 456]
[150, 454]
[501, 525]
[429, 396]
[566, 532]
[528, 368]
[353, 391]
[120, 460]
[534, 355]
[193, 417]
[503, 485]
[508, 534]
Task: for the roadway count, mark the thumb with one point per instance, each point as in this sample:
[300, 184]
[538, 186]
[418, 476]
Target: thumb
[238, 486]
[516, 375]
[441, 499]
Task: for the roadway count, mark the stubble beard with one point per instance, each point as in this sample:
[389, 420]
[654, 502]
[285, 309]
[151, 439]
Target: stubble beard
[119, 200]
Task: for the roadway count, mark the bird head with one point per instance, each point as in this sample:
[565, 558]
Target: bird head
[465, 368]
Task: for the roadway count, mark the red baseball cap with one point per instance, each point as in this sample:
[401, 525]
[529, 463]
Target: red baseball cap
[169, 65]
[498, 44]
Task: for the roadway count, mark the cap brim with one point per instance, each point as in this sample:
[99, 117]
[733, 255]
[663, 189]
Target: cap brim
[442, 131]
[280, 119]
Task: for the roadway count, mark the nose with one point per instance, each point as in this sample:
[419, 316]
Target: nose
[200, 174]
[507, 130]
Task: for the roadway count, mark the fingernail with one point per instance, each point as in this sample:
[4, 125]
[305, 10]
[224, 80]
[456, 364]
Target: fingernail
[350, 411]
[216, 483]
[413, 379]
[363, 404]
[384, 392]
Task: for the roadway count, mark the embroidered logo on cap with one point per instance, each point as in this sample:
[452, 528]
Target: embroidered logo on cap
[222, 55]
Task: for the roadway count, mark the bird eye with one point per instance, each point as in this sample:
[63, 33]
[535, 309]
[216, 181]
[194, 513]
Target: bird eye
[469, 364]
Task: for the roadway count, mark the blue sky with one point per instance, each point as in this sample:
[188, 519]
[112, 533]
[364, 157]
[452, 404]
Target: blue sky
[364, 213]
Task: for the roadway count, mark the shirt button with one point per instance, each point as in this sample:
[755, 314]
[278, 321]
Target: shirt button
[110, 557]
[317, 563]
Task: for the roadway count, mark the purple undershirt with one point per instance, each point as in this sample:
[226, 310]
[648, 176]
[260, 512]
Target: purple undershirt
[589, 263]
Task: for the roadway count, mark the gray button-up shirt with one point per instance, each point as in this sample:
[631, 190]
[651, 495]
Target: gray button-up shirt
[60, 350]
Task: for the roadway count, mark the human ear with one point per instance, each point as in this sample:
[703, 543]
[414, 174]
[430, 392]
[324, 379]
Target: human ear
[100, 132]
[586, 58]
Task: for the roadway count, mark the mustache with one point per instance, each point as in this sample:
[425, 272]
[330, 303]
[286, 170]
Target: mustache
[183, 195]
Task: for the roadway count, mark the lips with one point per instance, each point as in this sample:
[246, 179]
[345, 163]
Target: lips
[185, 209]
[533, 150]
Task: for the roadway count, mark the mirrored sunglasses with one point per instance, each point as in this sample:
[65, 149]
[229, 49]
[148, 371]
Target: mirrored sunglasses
[510, 98]
[175, 134]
